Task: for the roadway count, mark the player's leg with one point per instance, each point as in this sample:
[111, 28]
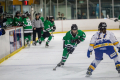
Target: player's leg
[117, 63]
[26, 37]
[95, 62]
[49, 39]
[34, 37]
[42, 38]
[39, 35]
[29, 39]
[114, 55]
[64, 57]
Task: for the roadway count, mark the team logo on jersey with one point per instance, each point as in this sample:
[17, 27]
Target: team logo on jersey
[113, 54]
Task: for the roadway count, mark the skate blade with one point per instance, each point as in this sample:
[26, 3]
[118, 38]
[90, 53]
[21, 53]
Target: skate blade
[29, 45]
[46, 46]
[87, 75]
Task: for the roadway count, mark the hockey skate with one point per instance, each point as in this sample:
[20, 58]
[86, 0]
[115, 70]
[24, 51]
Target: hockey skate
[28, 43]
[39, 41]
[46, 45]
[60, 64]
[88, 73]
[34, 43]
[118, 69]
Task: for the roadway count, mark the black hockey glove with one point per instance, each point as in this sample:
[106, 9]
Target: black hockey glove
[78, 41]
[119, 50]
[54, 27]
[70, 49]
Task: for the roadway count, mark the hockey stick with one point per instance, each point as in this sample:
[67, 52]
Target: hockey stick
[54, 69]
[115, 20]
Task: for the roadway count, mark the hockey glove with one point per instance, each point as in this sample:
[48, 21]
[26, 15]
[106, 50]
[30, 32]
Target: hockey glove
[78, 41]
[70, 49]
[3, 32]
[119, 49]
[88, 53]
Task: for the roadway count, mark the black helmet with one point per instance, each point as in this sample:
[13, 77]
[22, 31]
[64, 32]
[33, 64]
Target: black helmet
[102, 25]
[50, 18]
[18, 12]
[74, 27]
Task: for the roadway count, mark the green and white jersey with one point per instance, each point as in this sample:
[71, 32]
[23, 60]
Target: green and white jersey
[42, 19]
[17, 21]
[47, 26]
[9, 21]
[27, 25]
[68, 37]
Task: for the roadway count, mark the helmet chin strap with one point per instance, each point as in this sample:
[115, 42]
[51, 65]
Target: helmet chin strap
[73, 34]
[101, 30]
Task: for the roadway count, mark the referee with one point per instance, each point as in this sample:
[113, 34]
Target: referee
[37, 28]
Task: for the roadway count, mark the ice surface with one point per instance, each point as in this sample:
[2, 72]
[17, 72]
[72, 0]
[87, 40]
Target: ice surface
[37, 63]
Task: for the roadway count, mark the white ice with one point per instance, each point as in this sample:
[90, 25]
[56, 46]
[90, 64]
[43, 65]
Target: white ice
[37, 63]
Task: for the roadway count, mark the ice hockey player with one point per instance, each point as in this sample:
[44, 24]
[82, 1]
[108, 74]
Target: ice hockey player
[9, 21]
[27, 28]
[17, 19]
[103, 41]
[71, 40]
[47, 29]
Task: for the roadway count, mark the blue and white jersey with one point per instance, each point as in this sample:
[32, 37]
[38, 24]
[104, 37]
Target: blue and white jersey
[101, 40]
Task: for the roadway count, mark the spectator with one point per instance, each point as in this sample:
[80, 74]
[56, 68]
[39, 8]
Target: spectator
[84, 16]
[93, 15]
[102, 16]
[63, 17]
[78, 15]
[58, 16]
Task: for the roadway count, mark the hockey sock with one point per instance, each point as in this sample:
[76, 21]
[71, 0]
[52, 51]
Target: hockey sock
[42, 39]
[94, 64]
[49, 39]
[117, 62]
[29, 37]
[65, 56]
